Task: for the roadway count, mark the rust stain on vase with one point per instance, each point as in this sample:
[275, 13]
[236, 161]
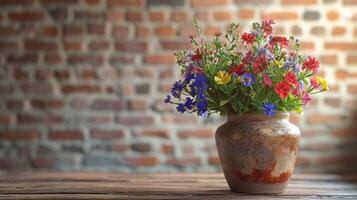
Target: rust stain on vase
[265, 175]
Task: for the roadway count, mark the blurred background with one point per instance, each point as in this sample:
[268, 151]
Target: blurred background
[82, 82]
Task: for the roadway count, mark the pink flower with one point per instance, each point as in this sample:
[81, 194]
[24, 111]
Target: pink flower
[314, 83]
[311, 64]
[306, 99]
[266, 80]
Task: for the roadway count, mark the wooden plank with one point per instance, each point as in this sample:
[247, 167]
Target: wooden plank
[104, 185]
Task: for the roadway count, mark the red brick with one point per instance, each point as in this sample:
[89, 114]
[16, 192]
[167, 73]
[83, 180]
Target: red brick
[345, 132]
[253, 2]
[43, 74]
[28, 118]
[322, 118]
[23, 59]
[19, 134]
[141, 147]
[120, 32]
[37, 88]
[306, 45]
[246, 13]
[14, 104]
[96, 29]
[132, 16]
[49, 31]
[338, 31]
[126, 3]
[352, 59]
[176, 44]
[59, 2]
[333, 102]
[157, 16]
[137, 105]
[160, 59]
[121, 148]
[106, 104]
[318, 146]
[142, 161]
[209, 3]
[70, 88]
[65, 135]
[184, 162]
[214, 160]
[8, 46]
[352, 89]
[5, 120]
[47, 104]
[26, 16]
[141, 31]
[94, 60]
[73, 45]
[344, 46]
[16, 2]
[73, 30]
[224, 15]
[98, 45]
[350, 2]
[88, 74]
[131, 46]
[43, 162]
[301, 2]
[7, 31]
[302, 161]
[152, 132]
[329, 59]
[115, 16]
[164, 31]
[62, 74]
[200, 133]
[167, 149]
[211, 30]
[52, 59]
[39, 45]
[179, 16]
[280, 15]
[93, 2]
[136, 120]
[333, 15]
[107, 134]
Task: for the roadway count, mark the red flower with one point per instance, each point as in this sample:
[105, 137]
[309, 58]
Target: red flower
[260, 64]
[282, 89]
[217, 34]
[197, 70]
[248, 38]
[279, 39]
[197, 56]
[248, 58]
[291, 79]
[311, 64]
[237, 69]
[267, 26]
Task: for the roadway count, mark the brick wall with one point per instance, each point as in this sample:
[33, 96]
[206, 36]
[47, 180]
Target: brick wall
[82, 82]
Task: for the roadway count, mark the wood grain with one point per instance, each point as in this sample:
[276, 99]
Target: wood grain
[111, 185]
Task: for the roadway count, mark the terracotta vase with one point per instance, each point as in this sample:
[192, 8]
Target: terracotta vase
[257, 152]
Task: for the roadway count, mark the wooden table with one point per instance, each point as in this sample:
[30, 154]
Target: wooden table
[94, 185]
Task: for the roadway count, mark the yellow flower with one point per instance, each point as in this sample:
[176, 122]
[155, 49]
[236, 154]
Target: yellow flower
[222, 77]
[323, 83]
[278, 63]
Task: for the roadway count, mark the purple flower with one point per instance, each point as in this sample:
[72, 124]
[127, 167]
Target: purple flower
[189, 103]
[291, 64]
[267, 53]
[177, 89]
[167, 99]
[269, 109]
[248, 79]
[180, 108]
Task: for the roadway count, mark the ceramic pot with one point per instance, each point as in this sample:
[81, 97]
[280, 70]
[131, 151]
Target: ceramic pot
[257, 152]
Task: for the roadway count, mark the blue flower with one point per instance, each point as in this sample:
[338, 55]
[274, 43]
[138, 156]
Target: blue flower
[180, 108]
[189, 103]
[269, 109]
[248, 79]
[167, 99]
[177, 89]
[202, 108]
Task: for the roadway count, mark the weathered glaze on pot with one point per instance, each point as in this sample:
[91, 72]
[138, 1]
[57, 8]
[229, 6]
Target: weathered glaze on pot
[257, 153]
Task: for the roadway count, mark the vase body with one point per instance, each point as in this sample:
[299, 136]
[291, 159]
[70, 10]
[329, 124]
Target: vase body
[257, 152]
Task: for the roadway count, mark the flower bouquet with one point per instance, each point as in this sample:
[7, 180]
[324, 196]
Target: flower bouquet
[249, 72]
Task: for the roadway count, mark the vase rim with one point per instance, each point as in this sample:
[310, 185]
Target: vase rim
[255, 116]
